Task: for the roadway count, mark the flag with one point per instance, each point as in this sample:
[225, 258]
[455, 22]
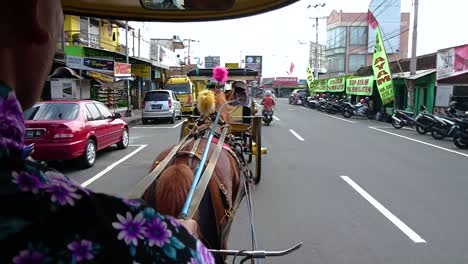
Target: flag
[381, 68]
[372, 20]
[291, 68]
[310, 79]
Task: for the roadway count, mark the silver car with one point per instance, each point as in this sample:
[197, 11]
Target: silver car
[161, 104]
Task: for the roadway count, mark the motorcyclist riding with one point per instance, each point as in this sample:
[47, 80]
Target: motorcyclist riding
[268, 102]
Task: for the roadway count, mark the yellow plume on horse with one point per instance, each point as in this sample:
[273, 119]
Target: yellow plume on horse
[206, 103]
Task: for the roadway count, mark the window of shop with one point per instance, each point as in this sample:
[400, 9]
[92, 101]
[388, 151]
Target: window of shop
[336, 63]
[357, 36]
[460, 95]
[336, 38]
[356, 62]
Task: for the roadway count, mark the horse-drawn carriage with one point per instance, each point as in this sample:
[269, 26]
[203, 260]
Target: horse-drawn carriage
[243, 123]
[191, 179]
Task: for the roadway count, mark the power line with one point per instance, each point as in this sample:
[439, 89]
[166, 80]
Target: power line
[359, 17]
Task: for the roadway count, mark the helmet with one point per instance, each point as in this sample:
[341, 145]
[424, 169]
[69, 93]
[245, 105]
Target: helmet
[367, 98]
[362, 101]
[452, 104]
[267, 93]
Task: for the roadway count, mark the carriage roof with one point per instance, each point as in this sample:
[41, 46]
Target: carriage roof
[136, 10]
[234, 74]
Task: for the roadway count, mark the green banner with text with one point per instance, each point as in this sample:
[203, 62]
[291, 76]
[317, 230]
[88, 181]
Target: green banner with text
[360, 85]
[381, 68]
[321, 86]
[336, 85]
[310, 79]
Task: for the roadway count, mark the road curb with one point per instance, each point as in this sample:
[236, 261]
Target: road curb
[134, 122]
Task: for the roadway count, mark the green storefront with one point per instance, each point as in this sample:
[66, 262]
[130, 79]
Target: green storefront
[424, 90]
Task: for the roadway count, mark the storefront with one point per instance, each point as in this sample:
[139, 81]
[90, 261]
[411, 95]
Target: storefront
[424, 89]
[452, 78]
[108, 79]
[284, 86]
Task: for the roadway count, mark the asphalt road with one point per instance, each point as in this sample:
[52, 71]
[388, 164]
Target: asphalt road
[353, 191]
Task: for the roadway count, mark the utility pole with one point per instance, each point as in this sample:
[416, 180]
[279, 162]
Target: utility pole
[413, 61]
[316, 70]
[189, 43]
[129, 111]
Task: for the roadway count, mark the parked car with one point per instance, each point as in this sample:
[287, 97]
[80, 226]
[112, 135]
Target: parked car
[161, 104]
[65, 130]
[302, 93]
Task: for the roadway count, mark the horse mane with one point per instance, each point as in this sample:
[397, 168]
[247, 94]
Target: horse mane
[220, 99]
[211, 101]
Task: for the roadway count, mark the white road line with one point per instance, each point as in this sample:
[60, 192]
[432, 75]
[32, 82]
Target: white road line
[421, 142]
[163, 127]
[390, 127]
[110, 167]
[296, 135]
[395, 220]
[277, 119]
[339, 118]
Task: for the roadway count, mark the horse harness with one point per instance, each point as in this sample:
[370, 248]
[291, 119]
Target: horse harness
[224, 140]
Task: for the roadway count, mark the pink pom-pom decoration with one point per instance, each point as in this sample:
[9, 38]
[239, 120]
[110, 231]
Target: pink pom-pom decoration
[220, 74]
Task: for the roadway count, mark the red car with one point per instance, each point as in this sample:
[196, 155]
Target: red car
[64, 130]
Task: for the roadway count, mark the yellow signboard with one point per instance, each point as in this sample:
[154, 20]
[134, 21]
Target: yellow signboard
[232, 65]
[142, 71]
[100, 76]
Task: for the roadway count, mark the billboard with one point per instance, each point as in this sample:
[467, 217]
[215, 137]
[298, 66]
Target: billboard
[286, 81]
[254, 62]
[212, 61]
[452, 62]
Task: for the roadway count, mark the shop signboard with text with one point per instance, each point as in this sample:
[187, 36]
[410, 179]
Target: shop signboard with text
[286, 82]
[122, 70]
[91, 64]
[336, 84]
[452, 62]
[360, 86]
[321, 86]
[142, 71]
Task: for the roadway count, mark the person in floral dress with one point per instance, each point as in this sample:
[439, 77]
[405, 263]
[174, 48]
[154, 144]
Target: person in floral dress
[44, 216]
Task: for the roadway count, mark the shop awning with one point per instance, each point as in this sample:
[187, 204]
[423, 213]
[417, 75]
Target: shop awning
[65, 72]
[419, 74]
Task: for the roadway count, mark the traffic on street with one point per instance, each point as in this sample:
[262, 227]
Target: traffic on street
[234, 131]
[363, 192]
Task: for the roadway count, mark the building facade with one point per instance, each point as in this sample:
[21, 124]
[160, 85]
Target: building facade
[350, 40]
[317, 50]
[96, 41]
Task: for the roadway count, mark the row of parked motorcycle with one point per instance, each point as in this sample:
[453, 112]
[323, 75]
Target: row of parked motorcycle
[335, 105]
[452, 125]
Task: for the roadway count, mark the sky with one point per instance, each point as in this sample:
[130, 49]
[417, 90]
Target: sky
[277, 35]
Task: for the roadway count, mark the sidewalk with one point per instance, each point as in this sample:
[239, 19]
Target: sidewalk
[133, 120]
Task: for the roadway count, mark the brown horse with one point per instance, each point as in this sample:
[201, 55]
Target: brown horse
[169, 192]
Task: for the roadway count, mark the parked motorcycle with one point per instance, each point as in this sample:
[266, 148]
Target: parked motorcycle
[312, 102]
[444, 127]
[336, 106]
[424, 121]
[267, 116]
[360, 109]
[460, 138]
[401, 118]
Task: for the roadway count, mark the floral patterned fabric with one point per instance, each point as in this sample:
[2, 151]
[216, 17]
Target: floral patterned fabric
[46, 218]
